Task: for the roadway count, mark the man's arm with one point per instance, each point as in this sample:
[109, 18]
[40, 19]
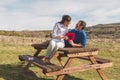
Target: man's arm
[74, 45]
[83, 39]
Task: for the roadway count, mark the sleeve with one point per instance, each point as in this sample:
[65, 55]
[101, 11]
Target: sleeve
[83, 41]
[54, 32]
[70, 34]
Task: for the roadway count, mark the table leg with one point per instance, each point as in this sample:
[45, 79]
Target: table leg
[60, 77]
[100, 72]
[37, 52]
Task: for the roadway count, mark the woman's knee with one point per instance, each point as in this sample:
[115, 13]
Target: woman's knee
[52, 43]
[60, 45]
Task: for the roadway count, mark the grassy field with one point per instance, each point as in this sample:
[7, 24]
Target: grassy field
[12, 69]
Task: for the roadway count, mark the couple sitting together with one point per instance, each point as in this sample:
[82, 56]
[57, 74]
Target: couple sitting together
[61, 37]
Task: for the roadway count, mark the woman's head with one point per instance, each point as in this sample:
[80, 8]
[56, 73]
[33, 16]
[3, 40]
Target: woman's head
[80, 25]
[66, 19]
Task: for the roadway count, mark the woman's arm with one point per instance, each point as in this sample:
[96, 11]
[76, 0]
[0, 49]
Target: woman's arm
[54, 32]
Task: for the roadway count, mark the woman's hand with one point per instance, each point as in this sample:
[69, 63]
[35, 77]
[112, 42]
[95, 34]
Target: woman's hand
[66, 38]
[59, 37]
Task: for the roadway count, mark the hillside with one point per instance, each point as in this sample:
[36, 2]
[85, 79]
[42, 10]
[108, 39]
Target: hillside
[104, 31]
[96, 31]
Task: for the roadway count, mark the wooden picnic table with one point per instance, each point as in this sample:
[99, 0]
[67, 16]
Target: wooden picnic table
[70, 53]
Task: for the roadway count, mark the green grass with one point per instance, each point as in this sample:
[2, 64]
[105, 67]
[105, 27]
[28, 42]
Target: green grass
[12, 69]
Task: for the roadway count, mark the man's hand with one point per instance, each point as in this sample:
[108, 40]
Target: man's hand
[76, 45]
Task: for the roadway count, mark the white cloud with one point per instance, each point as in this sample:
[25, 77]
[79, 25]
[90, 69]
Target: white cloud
[42, 14]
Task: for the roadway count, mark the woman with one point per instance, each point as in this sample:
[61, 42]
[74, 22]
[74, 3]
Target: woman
[58, 34]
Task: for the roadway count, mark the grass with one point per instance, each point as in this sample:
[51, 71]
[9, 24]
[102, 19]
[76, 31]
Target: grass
[12, 69]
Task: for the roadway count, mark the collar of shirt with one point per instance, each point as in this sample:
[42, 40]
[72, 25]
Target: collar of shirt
[63, 26]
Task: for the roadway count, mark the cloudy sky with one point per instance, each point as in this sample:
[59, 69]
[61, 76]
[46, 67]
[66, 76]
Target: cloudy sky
[43, 14]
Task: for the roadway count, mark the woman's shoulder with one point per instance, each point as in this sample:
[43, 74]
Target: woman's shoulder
[58, 24]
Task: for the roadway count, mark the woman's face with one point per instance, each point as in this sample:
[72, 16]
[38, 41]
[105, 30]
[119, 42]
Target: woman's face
[78, 26]
[66, 23]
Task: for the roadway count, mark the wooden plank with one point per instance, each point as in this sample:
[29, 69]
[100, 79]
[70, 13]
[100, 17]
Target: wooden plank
[79, 68]
[38, 62]
[42, 45]
[99, 60]
[28, 64]
[77, 50]
[82, 54]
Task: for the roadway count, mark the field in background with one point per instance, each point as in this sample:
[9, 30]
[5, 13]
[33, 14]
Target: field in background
[108, 31]
[12, 69]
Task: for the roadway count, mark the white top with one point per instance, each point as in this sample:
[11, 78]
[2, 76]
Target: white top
[59, 30]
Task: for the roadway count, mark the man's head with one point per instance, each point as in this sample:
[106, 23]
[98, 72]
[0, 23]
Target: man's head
[80, 25]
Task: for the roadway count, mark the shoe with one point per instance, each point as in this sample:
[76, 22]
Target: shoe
[46, 60]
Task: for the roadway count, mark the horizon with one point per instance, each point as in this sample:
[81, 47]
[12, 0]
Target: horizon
[38, 15]
[69, 28]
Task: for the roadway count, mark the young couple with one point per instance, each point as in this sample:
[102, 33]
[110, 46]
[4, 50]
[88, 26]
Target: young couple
[62, 38]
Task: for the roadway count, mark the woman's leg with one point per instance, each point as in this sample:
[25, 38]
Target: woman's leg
[50, 48]
[57, 46]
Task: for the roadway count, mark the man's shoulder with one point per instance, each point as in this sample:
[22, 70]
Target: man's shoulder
[72, 30]
[82, 31]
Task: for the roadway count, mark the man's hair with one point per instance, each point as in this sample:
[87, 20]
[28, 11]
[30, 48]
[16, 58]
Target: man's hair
[65, 18]
[83, 24]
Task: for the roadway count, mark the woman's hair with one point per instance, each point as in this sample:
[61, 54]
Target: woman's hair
[65, 18]
[83, 24]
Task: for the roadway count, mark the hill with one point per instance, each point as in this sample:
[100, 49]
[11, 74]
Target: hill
[104, 31]
[97, 31]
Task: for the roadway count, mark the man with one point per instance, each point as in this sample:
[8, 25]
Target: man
[79, 36]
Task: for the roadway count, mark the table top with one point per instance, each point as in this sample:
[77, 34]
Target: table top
[76, 50]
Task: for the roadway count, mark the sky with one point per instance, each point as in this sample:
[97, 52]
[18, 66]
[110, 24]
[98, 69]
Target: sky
[43, 14]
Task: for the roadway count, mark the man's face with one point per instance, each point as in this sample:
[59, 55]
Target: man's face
[78, 27]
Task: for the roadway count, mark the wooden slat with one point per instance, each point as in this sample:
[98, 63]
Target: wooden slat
[99, 60]
[38, 62]
[79, 68]
[82, 54]
[77, 50]
[42, 45]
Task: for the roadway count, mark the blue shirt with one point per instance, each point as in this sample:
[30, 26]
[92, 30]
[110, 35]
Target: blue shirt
[80, 37]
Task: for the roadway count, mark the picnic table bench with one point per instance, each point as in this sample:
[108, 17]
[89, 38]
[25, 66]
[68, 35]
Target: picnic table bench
[71, 53]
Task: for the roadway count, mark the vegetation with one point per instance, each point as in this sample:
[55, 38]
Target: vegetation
[12, 69]
[26, 33]
[97, 31]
